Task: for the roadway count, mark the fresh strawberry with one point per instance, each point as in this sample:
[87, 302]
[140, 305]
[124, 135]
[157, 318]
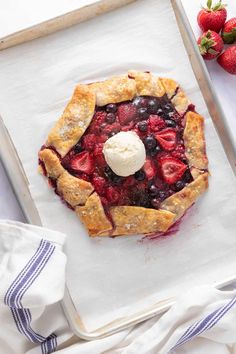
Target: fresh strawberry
[172, 169]
[212, 17]
[99, 184]
[112, 194]
[167, 139]
[89, 141]
[82, 162]
[149, 168]
[210, 45]
[155, 123]
[229, 31]
[228, 60]
[126, 113]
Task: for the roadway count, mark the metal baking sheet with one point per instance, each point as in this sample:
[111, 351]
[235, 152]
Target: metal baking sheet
[59, 20]
[20, 184]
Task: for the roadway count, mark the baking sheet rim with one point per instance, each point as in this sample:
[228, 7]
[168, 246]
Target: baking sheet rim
[32, 216]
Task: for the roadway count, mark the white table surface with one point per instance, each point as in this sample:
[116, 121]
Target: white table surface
[14, 15]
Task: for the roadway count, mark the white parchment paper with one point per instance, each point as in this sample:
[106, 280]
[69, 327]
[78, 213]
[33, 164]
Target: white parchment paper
[109, 278]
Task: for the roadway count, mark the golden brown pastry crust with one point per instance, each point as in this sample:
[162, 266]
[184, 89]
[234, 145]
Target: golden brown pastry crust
[170, 86]
[179, 202]
[194, 141]
[74, 190]
[180, 101]
[132, 220]
[147, 84]
[74, 121]
[114, 90]
[80, 194]
[93, 216]
[51, 163]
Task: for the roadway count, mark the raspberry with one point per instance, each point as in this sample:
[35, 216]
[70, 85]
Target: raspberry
[89, 141]
[155, 123]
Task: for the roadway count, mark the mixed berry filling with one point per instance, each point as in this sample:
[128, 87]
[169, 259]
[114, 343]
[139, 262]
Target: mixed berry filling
[165, 171]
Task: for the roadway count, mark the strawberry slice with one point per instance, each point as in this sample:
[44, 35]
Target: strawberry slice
[82, 162]
[172, 169]
[126, 113]
[149, 168]
[167, 139]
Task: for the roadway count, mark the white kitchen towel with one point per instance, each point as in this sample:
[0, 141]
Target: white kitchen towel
[32, 281]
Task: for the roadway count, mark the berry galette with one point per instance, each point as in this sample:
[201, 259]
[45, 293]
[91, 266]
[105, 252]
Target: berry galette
[127, 155]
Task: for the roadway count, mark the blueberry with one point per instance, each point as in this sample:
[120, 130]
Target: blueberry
[152, 106]
[112, 176]
[162, 195]
[187, 177]
[140, 175]
[170, 123]
[153, 190]
[155, 151]
[168, 108]
[150, 142]
[179, 185]
[78, 148]
[142, 126]
[110, 118]
[111, 108]
[103, 125]
[108, 171]
[112, 134]
[160, 111]
[140, 198]
[116, 179]
[155, 203]
[142, 112]
[138, 101]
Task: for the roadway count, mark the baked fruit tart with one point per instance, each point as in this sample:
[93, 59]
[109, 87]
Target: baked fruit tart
[127, 155]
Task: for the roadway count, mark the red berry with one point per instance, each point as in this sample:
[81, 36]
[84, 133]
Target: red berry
[212, 17]
[229, 31]
[89, 141]
[155, 123]
[99, 184]
[82, 162]
[98, 119]
[149, 168]
[228, 60]
[102, 138]
[172, 169]
[126, 113]
[109, 128]
[167, 139]
[210, 45]
[112, 194]
[98, 155]
[179, 152]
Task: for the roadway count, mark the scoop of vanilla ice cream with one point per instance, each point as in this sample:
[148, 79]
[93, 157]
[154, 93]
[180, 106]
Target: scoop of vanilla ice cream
[124, 153]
